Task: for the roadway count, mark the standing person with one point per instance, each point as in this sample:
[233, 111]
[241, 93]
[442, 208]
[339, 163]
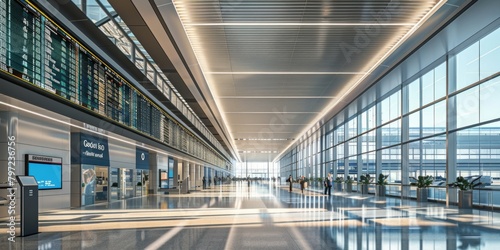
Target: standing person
[302, 184]
[290, 182]
[328, 184]
[204, 182]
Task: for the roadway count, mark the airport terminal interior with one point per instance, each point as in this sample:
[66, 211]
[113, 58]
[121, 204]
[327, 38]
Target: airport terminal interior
[249, 124]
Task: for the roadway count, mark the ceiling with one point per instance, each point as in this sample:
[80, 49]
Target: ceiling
[261, 73]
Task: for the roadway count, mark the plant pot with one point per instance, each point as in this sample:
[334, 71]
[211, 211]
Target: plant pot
[465, 198]
[338, 187]
[364, 188]
[380, 190]
[348, 188]
[422, 194]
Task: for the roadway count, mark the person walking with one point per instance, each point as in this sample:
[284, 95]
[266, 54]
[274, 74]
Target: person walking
[290, 182]
[328, 184]
[302, 184]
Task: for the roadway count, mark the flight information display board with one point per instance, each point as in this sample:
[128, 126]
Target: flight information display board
[38, 51]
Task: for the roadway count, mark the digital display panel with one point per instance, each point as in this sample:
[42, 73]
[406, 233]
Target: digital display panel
[47, 171]
[163, 179]
[48, 176]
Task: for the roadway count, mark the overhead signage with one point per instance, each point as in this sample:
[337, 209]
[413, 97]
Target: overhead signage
[89, 149]
[142, 158]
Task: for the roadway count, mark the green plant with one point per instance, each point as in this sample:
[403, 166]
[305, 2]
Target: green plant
[339, 180]
[382, 179]
[422, 181]
[319, 179]
[349, 179]
[464, 184]
[139, 184]
[365, 179]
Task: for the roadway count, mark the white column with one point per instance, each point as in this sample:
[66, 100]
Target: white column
[192, 176]
[199, 175]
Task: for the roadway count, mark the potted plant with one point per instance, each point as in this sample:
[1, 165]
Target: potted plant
[338, 183]
[364, 180]
[381, 182]
[320, 182]
[348, 184]
[422, 183]
[465, 190]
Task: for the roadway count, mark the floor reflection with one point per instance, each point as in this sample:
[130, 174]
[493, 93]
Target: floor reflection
[263, 217]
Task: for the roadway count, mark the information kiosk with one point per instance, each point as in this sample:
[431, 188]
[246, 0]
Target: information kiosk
[29, 205]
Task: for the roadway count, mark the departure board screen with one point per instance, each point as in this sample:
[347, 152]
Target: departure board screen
[59, 63]
[35, 49]
[38, 51]
[21, 41]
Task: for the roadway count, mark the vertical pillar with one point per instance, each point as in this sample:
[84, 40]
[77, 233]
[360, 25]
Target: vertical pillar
[378, 138]
[334, 156]
[185, 170]
[346, 150]
[154, 177]
[199, 175]
[451, 138]
[192, 175]
[177, 173]
[212, 171]
[405, 148]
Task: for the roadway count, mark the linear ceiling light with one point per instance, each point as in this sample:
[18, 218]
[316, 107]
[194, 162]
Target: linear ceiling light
[299, 24]
[283, 73]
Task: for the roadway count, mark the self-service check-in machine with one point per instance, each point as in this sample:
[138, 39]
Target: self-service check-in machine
[29, 205]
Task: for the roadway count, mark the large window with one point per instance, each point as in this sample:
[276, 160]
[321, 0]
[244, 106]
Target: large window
[458, 130]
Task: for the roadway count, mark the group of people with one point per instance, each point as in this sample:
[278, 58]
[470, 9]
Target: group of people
[327, 184]
[207, 183]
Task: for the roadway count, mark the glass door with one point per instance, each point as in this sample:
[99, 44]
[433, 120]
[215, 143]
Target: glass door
[139, 184]
[88, 185]
[145, 182]
[126, 183]
[102, 186]
[114, 180]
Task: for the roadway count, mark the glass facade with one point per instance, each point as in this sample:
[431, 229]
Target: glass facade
[440, 120]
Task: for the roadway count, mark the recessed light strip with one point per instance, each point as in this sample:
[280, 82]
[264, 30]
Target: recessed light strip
[276, 97]
[282, 73]
[299, 24]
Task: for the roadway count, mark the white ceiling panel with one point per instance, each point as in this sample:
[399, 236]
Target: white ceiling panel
[268, 105]
[269, 118]
[274, 67]
[295, 85]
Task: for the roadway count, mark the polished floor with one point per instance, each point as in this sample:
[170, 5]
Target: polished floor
[263, 216]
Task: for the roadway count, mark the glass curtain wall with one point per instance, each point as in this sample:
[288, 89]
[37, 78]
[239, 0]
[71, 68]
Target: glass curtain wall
[440, 121]
[262, 170]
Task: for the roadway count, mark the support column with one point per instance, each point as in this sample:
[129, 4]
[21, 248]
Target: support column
[184, 169]
[199, 175]
[212, 176]
[153, 174]
[192, 176]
